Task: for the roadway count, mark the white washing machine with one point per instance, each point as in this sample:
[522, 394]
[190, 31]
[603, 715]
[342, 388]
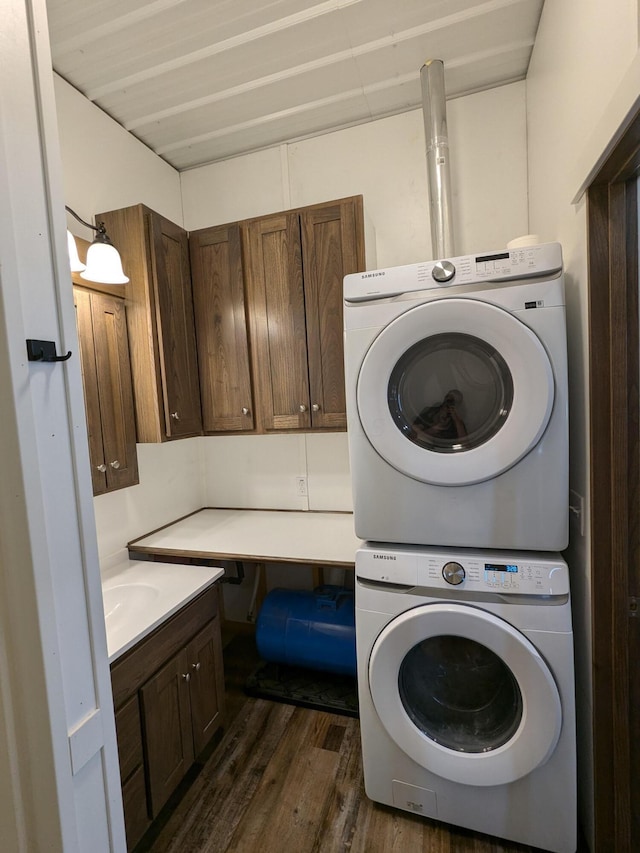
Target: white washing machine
[466, 689]
[456, 382]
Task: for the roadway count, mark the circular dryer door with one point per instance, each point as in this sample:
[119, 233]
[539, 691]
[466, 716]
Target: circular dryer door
[454, 392]
[464, 694]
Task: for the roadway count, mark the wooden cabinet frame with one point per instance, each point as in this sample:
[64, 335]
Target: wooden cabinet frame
[155, 255]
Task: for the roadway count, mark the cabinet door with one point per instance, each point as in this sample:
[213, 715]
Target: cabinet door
[221, 329]
[176, 327]
[82, 301]
[204, 654]
[332, 247]
[276, 300]
[114, 391]
[106, 373]
[167, 727]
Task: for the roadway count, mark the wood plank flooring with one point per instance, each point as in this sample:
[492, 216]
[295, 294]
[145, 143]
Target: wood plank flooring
[289, 780]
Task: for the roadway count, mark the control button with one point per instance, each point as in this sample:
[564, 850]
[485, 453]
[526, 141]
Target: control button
[453, 573]
[443, 271]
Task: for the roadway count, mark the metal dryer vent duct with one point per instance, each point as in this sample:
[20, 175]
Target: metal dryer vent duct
[438, 172]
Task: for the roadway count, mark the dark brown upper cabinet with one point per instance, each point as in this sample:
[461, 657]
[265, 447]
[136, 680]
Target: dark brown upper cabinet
[268, 305]
[155, 256]
[294, 265]
[221, 329]
[106, 376]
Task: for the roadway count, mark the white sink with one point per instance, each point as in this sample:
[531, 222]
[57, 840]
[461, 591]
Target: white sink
[123, 601]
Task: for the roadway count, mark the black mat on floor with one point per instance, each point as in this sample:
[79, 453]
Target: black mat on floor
[323, 691]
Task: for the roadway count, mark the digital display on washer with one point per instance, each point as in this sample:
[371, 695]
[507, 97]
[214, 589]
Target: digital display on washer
[498, 567]
[503, 256]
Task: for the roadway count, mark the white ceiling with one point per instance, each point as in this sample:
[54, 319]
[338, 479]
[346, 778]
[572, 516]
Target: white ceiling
[202, 80]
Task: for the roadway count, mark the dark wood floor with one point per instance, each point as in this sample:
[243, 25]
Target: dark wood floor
[289, 780]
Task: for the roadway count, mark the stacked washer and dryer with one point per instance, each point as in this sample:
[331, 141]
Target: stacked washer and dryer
[456, 382]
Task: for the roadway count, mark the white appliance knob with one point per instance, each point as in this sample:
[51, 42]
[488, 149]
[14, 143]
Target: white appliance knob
[443, 271]
[453, 573]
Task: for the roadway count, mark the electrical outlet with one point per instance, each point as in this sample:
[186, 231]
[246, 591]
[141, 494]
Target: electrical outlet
[576, 507]
[301, 486]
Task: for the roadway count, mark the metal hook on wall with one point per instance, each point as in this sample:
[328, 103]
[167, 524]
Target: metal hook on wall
[44, 351]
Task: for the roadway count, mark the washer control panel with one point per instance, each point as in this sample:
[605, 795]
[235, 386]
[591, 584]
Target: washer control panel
[508, 265]
[524, 573]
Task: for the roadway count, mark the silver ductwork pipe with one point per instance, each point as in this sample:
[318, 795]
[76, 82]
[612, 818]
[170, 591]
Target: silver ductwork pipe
[438, 168]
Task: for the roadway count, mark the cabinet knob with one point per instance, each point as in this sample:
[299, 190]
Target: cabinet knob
[175, 416]
[186, 676]
[115, 464]
[315, 407]
[302, 407]
[245, 411]
[196, 666]
[102, 468]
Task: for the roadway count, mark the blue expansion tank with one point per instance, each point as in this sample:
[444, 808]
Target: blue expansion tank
[309, 629]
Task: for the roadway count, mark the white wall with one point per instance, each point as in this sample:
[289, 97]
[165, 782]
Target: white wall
[384, 161]
[106, 168]
[583, 50]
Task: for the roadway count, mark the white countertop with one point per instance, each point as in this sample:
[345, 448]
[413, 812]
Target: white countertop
[139, 595]
[325, 538]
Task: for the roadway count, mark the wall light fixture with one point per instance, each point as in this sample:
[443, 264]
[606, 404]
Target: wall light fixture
[104, 264]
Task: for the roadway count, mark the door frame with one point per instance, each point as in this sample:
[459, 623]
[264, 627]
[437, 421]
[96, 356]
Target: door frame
[615, 490]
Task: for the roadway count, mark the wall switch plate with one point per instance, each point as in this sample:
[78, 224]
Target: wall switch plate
[576, 508]
[301, 486]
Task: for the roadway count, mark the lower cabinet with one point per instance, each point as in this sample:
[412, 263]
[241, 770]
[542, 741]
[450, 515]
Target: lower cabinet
[169, 699]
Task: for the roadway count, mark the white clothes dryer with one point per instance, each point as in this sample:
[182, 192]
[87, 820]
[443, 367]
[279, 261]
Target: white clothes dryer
[466, 689]
[456, 382]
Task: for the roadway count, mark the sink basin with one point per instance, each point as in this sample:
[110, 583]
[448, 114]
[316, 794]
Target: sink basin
[123, 601]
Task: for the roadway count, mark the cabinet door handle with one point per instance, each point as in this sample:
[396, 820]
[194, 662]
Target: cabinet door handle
[115, 464]
[245, 411]
[102, 468]
[196, 666]
[175, 416]
[186, 676]
[315, 407]
[302, 407]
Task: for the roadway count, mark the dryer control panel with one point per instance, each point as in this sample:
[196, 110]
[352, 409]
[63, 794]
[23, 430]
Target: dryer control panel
[522, 263]
[523, 573]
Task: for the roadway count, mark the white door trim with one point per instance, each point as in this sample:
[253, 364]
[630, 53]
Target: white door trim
[59, 775]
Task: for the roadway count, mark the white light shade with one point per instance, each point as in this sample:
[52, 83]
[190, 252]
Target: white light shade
[74, 261]
[104, 265]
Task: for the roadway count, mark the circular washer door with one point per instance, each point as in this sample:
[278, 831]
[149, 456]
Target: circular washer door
[464, 694]
[454, 392]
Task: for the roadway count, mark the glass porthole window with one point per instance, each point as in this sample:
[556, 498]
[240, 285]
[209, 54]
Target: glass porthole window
[450, 392]
[460, 694]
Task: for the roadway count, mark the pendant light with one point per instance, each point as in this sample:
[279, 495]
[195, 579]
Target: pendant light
[103, 260]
